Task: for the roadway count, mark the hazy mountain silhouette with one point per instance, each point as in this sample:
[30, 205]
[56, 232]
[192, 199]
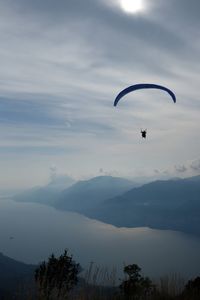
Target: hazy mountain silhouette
[172, 204]
[86, 194]
[48, 194]
[13, 274]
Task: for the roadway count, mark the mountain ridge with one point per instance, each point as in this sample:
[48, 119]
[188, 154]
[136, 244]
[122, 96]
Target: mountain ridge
[162, 204]
[13, 274]
[85, 194]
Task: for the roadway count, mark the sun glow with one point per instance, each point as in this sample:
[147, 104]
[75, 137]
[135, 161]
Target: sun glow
[132, 6]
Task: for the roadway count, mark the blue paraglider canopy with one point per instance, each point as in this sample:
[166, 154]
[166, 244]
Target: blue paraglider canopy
[143, 86]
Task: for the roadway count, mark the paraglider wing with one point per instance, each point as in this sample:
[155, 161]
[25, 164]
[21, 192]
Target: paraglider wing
[143, 86]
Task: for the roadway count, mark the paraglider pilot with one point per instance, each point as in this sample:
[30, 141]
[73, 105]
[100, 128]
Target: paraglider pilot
[139, 86]
[144, 133]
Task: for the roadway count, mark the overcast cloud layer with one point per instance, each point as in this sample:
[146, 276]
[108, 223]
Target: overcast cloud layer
[62, 64]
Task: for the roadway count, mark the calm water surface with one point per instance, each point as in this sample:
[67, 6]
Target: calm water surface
[38, 231]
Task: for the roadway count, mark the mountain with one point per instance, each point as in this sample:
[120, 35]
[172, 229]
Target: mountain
[171, 204]
[85, 195]
[13, 275]
[47, 194]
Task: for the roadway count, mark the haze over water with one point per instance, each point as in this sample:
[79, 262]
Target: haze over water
[38, 231]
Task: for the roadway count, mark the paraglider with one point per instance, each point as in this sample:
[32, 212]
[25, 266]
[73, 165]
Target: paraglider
[140, 86]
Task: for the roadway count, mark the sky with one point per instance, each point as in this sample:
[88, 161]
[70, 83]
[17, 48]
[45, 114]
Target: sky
[63, 62]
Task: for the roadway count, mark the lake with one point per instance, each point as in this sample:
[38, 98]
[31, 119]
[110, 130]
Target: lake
[31, 232]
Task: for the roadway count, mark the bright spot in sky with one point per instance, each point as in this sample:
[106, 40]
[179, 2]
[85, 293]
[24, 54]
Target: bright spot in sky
[132, 6]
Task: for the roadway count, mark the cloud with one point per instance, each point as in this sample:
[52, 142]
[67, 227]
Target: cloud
[189, 168]
[101, 170]
[62, 64]
[180, 169]
[195, 165]
[53, 172]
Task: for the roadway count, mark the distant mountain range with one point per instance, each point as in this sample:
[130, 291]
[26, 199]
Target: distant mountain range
[85, 195]
[14, 275]
[171, 204]
[66, 194]
[48, 194]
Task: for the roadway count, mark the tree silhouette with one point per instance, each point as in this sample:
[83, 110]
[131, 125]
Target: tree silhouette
[192, 289]
[136, 286]
[56, 277]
